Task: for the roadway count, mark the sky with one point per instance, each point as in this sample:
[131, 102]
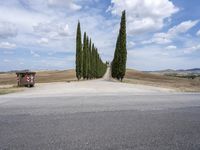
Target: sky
[40, 34]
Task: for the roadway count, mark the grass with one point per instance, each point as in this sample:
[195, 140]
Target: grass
[177, 83]
[7, 90]
[55, 76]
[8, 81]
[41, 77]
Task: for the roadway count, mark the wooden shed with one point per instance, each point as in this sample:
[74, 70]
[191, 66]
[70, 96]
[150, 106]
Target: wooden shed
[25, 78]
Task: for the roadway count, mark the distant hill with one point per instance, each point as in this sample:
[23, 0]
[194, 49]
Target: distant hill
[13, 71]
[180, 82]
[194, 70]
[181, 71]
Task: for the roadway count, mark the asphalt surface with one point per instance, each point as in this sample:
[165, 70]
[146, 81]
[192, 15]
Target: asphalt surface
[161, 121]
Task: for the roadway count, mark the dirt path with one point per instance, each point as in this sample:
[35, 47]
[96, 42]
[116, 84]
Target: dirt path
[107, 76]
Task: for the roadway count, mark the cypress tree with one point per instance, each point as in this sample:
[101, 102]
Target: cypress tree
[93, 62]
[123, 50]
[120, 56]
[84, 56]
[97, 64]
[115, 62]
[78, 53]
[89, 59]
[87, 56]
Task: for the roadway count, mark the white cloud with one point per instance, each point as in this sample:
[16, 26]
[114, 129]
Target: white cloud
[7, 30]
[159, 38]
[144, 15]
[52, 30]
[43, 41]
[34, 54]
[131, 44]
[21, 18]
[64, 3]
[183, 27]
[64, 31]
[192, 49]
[171, 47]
[7, 45]
[198, 33]
[165, 38]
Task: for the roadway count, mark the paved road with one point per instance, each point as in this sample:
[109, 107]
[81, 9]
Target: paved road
[153, 122]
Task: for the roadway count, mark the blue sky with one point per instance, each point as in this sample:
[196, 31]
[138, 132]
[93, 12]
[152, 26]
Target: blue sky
[40, 34]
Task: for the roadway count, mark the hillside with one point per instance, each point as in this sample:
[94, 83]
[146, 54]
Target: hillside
[195, 71]
[160, 80]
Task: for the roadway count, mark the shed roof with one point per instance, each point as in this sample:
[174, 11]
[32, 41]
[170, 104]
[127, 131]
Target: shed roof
[25, 72]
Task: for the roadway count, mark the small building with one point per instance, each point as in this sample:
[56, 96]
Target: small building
[26, 78]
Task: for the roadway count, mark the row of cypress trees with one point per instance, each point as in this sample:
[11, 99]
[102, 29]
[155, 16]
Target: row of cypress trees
[89, 64]
[120, 55]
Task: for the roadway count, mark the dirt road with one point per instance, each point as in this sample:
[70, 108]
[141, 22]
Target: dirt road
[104, 86]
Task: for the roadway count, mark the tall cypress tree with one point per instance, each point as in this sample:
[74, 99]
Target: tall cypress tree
[78, 53]
[93, 62]
[96, 63]
[123, 50]
[87, 56]
[115, 62]
[89, 59]
[120, 56]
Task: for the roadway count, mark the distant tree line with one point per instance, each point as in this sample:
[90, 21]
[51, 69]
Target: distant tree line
[89, 64]
[120, 55]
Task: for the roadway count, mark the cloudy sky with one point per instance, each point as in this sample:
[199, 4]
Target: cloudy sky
[40, 34]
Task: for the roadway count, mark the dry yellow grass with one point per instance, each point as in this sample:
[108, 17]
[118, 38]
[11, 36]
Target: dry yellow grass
[55, 76]
[8, 78]
[132, 76]
[41, 77]
[179, 84]
[8, 81]
[7, 90]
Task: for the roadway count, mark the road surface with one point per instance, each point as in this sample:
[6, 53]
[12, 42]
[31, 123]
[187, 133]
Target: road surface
[99, 114]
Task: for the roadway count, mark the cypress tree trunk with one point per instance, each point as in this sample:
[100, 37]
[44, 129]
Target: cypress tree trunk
[78, 53]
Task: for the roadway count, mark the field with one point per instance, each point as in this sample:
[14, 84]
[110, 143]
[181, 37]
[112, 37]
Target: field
[41, 77]
[160, 80]
[8, 80]
[10, 89]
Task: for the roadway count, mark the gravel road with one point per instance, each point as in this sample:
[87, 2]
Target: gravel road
[104, 86]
